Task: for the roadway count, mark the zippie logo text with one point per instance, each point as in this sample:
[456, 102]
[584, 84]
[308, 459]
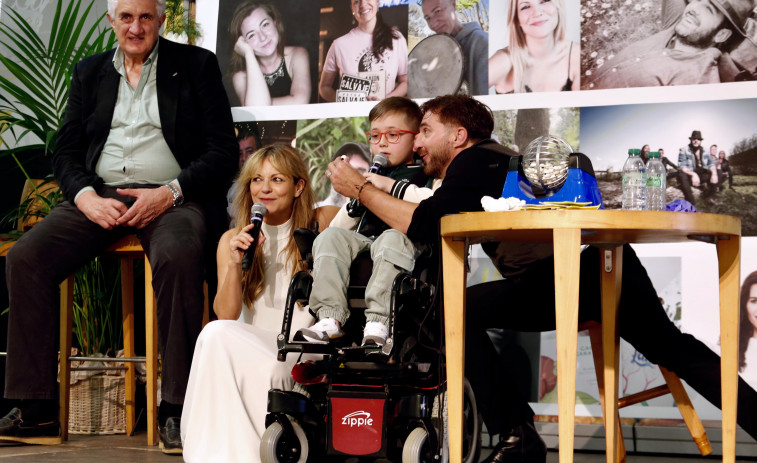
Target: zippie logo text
[358, 418]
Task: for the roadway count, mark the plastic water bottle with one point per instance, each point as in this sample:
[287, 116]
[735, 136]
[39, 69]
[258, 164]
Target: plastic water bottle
[634, 182]
[656, 175]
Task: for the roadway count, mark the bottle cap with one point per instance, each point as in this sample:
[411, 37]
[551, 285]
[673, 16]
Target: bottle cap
[654, 154]
[634, 152]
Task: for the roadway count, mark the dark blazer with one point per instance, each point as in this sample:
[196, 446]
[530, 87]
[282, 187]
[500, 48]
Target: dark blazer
[194, 113]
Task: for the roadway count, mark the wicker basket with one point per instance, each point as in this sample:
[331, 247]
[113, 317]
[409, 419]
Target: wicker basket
[98, 406]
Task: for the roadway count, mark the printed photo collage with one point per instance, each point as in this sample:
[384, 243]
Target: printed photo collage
[309, 51]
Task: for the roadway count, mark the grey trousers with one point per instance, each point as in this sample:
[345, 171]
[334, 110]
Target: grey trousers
[335, 249]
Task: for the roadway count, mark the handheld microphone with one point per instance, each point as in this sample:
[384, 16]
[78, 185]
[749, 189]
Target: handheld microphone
[258, 211]
[379, 162]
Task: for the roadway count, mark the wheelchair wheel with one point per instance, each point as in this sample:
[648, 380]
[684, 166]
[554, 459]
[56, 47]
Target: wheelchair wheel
[278, 447]
[471, 426]
[472, 422]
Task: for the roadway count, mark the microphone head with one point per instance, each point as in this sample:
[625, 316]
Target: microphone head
[380, 159]
[258, 209]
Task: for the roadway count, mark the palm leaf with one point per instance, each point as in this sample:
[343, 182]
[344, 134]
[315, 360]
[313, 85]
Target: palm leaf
[35, 89]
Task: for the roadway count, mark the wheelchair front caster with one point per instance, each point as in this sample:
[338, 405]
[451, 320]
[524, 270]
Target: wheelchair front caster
[416, 448]
[280, 446]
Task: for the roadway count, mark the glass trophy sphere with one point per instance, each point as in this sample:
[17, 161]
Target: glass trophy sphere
[545, 162]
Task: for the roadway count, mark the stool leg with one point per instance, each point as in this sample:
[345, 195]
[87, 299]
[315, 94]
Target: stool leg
[64, 375]
[127, 323]
[151, 356]
[688, 413]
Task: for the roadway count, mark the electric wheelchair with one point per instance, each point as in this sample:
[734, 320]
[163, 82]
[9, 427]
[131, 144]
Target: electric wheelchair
[372, 403]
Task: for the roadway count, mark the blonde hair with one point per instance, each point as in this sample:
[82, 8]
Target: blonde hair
[287, 161]
[518, 47]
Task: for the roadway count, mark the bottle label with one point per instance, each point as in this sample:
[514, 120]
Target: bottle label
[654, 182]
[634, 179]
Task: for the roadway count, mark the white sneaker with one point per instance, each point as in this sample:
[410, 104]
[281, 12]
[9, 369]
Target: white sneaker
[375, 334]
[323, 331]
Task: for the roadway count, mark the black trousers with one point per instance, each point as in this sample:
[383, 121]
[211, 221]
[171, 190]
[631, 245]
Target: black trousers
[527, 304]
[704, 183]
[64, 241]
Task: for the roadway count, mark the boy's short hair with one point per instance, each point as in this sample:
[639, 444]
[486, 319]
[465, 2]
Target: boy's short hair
[397, 104]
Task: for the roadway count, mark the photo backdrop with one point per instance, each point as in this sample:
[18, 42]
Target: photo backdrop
[602, 121]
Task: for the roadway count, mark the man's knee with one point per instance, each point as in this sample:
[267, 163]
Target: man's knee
[26, 258]
[185, 255]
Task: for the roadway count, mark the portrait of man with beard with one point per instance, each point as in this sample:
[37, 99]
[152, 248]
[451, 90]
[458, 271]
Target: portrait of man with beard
[693, 47]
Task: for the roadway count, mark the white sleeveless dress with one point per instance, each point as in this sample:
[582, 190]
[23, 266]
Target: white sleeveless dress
[234, 366]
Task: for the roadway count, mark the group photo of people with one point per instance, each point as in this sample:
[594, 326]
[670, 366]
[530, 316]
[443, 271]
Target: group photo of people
[708, 152]
[295, 252]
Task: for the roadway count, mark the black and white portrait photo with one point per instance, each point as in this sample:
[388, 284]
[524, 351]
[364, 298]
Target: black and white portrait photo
[667, 42]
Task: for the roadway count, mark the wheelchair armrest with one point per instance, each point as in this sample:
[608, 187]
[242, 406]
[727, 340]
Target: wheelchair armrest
[304, 238]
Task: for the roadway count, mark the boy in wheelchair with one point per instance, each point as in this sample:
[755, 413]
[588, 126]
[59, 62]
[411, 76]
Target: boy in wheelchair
[394, 122]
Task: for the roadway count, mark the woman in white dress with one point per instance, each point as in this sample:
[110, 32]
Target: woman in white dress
[234, 363]
[748, 330]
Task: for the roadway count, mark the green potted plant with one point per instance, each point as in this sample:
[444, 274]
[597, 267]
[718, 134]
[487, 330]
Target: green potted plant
[180, 25]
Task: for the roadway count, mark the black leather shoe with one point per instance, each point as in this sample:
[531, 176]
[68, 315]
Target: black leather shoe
[522, 445]
[13, 428]
[170, 436]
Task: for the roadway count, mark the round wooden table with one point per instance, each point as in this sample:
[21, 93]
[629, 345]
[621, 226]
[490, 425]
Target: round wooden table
[568, 230]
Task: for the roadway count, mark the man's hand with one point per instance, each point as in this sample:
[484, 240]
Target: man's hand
[102, 211]
[694, 179]
[345, 178]
[150, 203]
[381, 182]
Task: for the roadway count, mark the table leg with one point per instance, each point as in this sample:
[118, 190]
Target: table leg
[453, 268]
[729, 266]
[612, 274]
[567, 245]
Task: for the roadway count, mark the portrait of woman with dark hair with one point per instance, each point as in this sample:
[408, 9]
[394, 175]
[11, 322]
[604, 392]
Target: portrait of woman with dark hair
[264, 70]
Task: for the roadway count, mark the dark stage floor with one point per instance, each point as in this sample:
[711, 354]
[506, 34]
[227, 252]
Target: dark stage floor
[121, 448]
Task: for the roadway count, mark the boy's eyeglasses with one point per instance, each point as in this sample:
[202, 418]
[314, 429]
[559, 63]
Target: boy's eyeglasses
[392, 136]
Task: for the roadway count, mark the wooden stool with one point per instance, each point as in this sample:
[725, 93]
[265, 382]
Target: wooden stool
[673, 386]
[126, 250]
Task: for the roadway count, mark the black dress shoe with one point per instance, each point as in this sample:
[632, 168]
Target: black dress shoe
[522, 445]
[13, 428]
[170, 436]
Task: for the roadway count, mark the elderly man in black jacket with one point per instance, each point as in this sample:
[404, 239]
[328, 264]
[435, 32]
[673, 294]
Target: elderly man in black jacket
[147, 146]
